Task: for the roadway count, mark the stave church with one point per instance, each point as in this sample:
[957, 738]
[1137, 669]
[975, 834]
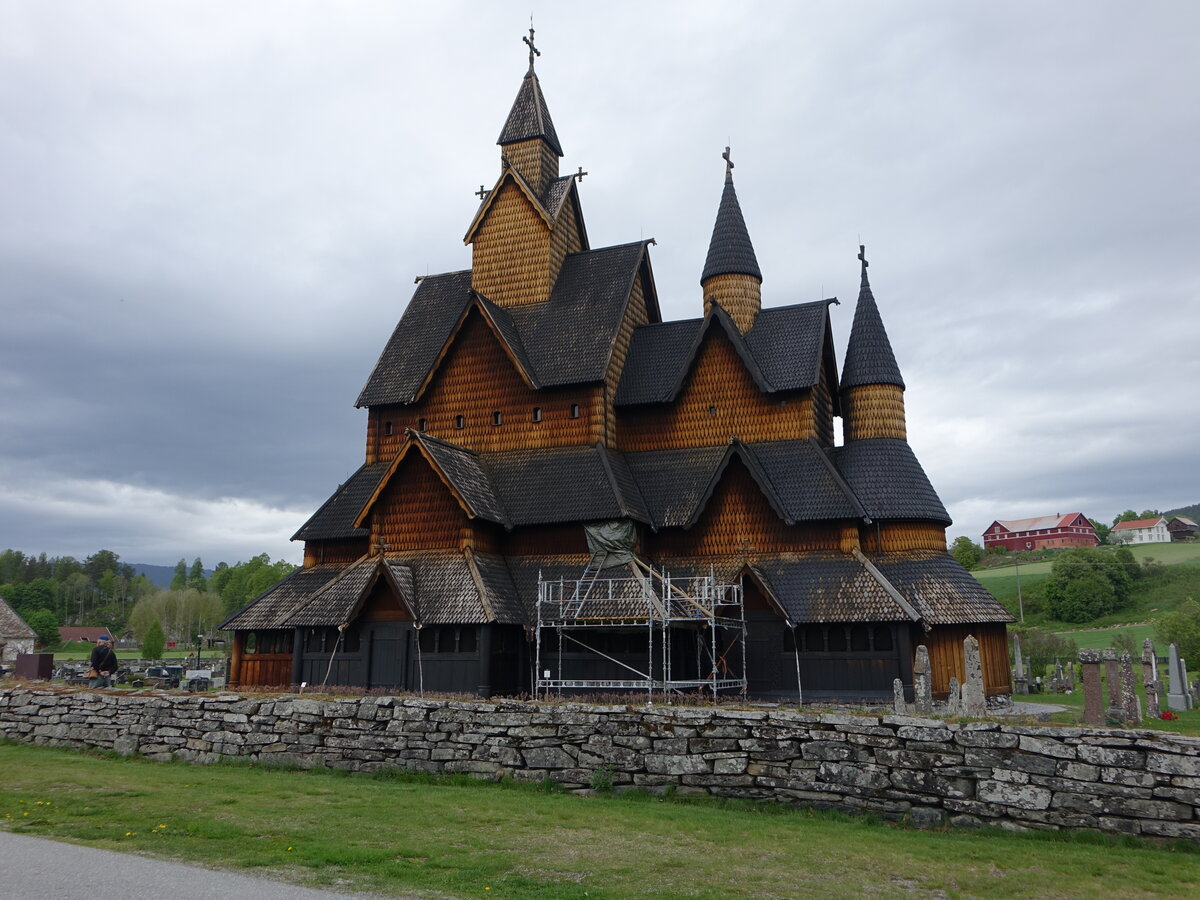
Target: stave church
[560, 490]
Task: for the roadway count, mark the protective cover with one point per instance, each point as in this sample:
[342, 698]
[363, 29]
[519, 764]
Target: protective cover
[611, 543]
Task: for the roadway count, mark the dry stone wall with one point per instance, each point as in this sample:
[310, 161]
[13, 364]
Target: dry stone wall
[926, 770]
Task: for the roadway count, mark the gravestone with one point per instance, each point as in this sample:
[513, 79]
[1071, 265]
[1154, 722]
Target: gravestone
[898, 704]
[954, 701]
[1071, 682]
[1020, 679]
[974, 701]
[1150, 679]
[1130, 707]
[922, 684]
[1178, 696]
[1112, 675]
[1093, 698]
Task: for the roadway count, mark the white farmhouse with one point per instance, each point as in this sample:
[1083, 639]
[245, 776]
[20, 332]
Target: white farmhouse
[1140, 531]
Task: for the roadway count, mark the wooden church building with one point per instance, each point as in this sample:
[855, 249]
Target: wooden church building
[540, 391]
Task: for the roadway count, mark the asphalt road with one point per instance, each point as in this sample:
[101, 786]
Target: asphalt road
[36, 867]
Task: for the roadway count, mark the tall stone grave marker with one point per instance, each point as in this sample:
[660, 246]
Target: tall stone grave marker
[1112, 674]
[1150, 679]
[1020, 679]
[1093, 699]
[1130, 707]
[1178, 696]
[922, 684]
[973, 699]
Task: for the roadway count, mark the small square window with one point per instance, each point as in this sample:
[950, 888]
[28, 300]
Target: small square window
[497, 419]
[574, 410]
[537, 414]
[387, 428]
[421, 423]
[459, 422]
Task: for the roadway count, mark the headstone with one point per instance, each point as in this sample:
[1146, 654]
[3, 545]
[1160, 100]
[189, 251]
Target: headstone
[1071, 682]
[898, 704]
[1178, 696]
[1150, 680]
[974, 700]
[1020, 678]
[1093, 700]
[922, 683]
[954, 701]
[1112, 675]
[1129, 697]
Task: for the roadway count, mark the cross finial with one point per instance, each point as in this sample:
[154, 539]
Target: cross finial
[578, 176]
[482, 192]
[862, 255]
[728, 164]
[533, 51]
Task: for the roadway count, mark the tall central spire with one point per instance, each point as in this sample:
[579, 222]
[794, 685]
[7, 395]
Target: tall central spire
[872, 388]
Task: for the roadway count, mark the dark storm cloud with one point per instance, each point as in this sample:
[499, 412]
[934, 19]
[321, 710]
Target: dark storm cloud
[213, 215]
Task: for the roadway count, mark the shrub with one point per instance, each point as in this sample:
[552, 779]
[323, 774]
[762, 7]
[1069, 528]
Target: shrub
[1182, 628]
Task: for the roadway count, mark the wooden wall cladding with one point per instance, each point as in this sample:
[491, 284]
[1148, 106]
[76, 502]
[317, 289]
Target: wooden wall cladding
[534, 161]
[739, 520]
[564, 238]
[475, 380]
[510, 255]
[896, 537]
[945, 644]
[822, 408]
[417, 511]
[739, 295]
[382, 605]
[635, 315]
[719, 400]
[874, 411]
[334, 553]
[542, 540]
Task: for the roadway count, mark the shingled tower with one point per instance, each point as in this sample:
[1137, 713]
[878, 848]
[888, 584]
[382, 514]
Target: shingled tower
[731, 276]
[872, 389]
[538, 397]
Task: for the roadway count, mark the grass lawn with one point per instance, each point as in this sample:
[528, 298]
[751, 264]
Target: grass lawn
[470, 839]
[81, 650]
[1101, 638]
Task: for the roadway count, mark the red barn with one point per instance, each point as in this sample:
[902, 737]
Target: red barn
[1071, 530]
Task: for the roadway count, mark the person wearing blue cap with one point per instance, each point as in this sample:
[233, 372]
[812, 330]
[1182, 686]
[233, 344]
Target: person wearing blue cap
[104, 663]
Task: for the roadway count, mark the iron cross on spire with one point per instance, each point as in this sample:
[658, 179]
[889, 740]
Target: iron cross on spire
[862, 256]
[728, 163]
[533, 51]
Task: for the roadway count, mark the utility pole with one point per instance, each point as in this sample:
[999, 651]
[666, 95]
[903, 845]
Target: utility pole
[1020, 602]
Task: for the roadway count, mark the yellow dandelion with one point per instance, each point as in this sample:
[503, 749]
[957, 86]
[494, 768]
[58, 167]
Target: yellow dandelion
[289, 848]
[24, 814]
[162, 826]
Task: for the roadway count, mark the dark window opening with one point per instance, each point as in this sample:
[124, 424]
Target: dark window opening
[860, 640]
[448, 639]
[350, 640]
[459, 422]
[251, 642]
[814, 639]
[837, 639]
[712, 410]
[421, 424]
[537, 414]
[883, 637]
[316, 641]
[387, 428]
[497, 419]
[574, 410]
[789, 639]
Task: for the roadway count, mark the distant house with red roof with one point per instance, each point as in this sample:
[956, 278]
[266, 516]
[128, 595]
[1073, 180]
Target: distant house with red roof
[1140, 531]
[1071, 530]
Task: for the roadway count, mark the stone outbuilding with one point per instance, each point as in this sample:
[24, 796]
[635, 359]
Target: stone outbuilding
[16, 636]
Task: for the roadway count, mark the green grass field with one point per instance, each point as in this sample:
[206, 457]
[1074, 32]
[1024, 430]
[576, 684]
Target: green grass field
[399, 835]
[1101, 638]
[1167, 554]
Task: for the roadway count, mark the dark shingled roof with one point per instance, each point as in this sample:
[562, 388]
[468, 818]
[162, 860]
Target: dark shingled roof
[418, 339]
[336, 602]
[562, 484]
[465, 470]
[674, 482]
[569, 338]
[782, 351]
[827, 587]
[498, 589]
[555, 193]
[942, 590]
[888, 481]
[869, 356]
[730, 250]
[805, 481]
[272, 607]
[335, 518]
[529, 116]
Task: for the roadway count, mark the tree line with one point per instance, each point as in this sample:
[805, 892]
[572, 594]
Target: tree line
[48, 592]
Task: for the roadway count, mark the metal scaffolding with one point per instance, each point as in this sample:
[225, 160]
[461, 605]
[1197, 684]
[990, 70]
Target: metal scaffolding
[638, 597]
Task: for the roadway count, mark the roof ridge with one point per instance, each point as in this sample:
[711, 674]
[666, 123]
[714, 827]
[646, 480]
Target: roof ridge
[887, 586]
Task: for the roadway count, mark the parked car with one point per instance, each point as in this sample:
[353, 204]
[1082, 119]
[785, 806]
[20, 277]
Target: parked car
[160, 676]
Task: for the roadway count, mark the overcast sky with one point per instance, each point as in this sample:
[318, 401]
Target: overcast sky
[211, 214]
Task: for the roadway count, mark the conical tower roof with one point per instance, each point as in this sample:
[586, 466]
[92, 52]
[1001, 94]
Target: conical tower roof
[869, 356]
[730, 251]
[530, 117]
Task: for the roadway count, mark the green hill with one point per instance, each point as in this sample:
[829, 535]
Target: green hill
[1188, 512]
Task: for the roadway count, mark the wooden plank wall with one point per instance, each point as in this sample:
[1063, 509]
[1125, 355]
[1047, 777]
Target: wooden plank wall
[635, 315]
[417, 510]
[898, 536]
[719, 400]
[334, 552]
[534, 161]
[945, 644]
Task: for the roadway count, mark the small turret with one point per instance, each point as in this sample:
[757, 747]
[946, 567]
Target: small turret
[731, 275]
[872, 389]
